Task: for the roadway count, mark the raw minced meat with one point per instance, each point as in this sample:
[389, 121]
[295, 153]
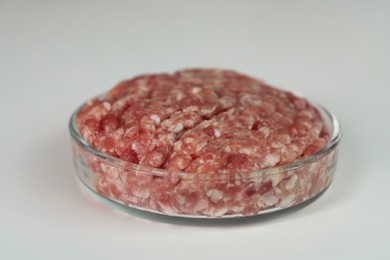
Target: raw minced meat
[202, 120]
[210, 132]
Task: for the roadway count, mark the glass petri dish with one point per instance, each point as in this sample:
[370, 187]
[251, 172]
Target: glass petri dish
[205, 195]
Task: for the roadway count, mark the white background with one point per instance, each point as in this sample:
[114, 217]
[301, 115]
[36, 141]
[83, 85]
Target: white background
[54, 55]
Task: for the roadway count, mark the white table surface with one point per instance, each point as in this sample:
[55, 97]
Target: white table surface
[56, 54]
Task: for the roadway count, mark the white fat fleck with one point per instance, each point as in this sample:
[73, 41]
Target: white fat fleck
[277, 145]
[180, 96]
[275, 178]
[118, 133]
[195, 90]
[227, 149]
[180, 163]
[178, 128]
[189, 123]
[188, 140]
[156, 159]
[255, 177]
[180, 199]
[143, 86]
[141, 192]
[251, 100]
[134, 146]
[317, 130]
[112, 174]
[290, 184]
[238, 208]
[178, 146]
[269, 200]
[271, 160]
[191, 109]
[87, 134]
[277, 191]
[214, 195]
[166, 209]
[306, 113]
[207, 111]
[107, 106]
[201, 161]
[287, 201]
[265, 130]
[119, 184]
[133, 200]
[156, 119]
[307, 124]
[226, 101]
[217, 133]
[200, 146]
[170, 110]
[245, 150]
[286, 139]
[119, 103]
[220, 211]
[237, 182]
[104, 167]
[294, 147]
[201, 205]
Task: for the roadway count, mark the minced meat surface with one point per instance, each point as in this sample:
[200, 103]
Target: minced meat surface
[202, 120]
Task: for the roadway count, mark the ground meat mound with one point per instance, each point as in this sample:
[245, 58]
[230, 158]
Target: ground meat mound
[202, 120]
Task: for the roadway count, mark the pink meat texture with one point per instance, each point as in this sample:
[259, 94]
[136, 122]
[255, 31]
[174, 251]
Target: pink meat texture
[218, 126]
